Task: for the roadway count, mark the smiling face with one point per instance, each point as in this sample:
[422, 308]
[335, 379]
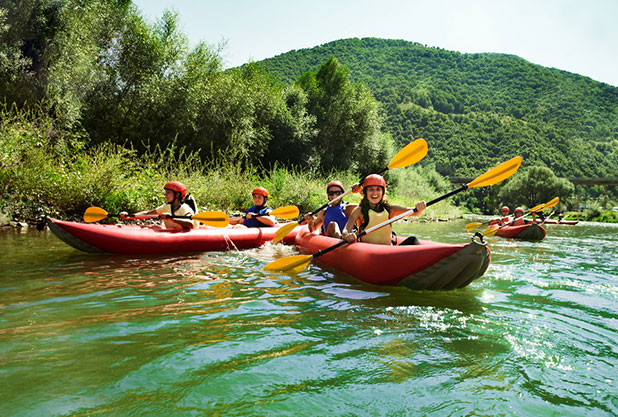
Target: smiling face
[374, 194]
[505, 211]
[258, 199]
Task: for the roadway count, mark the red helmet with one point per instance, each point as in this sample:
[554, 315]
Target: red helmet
[176, 186]
[505, 208]
[260, 191]
[335, 184]
[374, 179]
[518, 209]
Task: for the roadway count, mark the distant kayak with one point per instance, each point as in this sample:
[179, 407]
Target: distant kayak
[554, 221]
[134, 239]
[430, 265]
[530, 231]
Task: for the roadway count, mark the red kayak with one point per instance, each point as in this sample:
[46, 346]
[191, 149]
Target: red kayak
[554, 221]
[530, 231]
[133, 239]
[429, 265]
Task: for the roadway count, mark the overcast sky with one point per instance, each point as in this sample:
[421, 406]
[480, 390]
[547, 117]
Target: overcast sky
[579, 36]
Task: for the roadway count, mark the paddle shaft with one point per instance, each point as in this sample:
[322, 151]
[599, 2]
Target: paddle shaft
[336, 200]
[389, 221]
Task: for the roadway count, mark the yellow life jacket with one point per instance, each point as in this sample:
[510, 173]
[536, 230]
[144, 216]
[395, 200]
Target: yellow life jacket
[381, 236]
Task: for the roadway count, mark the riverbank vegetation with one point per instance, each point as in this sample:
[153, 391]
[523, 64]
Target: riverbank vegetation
[51, 171]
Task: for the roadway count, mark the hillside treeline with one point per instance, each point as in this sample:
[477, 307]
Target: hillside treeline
[476, 109]
[101, 69]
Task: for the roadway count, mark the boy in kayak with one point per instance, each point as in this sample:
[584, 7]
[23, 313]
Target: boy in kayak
[373, 210]
[260, 196]
[178, 203]
[332, 219]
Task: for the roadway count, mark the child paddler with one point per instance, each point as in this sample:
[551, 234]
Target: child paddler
[505, 210]
[260, 196]
[178, 203]
[332, 219]
[519, 220]
[373, 210]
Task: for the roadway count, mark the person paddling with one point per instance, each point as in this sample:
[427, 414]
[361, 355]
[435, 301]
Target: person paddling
[260, 196]
[373, 210]
[505, 210]
[519, 220]
[332, 219]
[178, 203]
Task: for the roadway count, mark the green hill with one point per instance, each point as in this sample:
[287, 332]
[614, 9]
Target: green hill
[476, 110]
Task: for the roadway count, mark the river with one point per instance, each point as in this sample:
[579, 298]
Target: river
[212, 334]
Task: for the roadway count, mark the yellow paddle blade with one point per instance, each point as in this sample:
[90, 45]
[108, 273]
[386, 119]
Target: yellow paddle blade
[410, 154]
[472, 226]
[289, 264]
[540, 207]
[94, 214]
[490, 231]
[212, 218]
[497, 174]
[287, 212]
[553, 202]
[283, 231]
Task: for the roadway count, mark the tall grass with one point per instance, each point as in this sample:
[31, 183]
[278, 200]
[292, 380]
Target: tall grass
[47, 171]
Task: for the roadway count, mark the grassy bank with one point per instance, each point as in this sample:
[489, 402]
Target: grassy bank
[47, 170]
[594, 215]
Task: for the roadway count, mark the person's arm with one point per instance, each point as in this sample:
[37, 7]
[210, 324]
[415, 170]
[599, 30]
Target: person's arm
[397, 210]
[236, 220]
[124, 214]
[266, 220]
[347, 233]
[315, 222]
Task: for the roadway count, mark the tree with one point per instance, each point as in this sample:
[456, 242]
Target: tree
[347, 120]
[533, 186]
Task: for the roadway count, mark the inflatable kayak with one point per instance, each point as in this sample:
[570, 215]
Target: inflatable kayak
[531, 231]
[553, 221]
[134, 239]
[429, 265]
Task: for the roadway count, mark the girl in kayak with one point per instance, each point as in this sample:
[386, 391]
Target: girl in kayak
[178, 203]
[519, 219]
[333, 218]
[374, 209]
[260, 196]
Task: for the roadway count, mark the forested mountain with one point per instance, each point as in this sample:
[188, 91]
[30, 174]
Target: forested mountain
[476, 110]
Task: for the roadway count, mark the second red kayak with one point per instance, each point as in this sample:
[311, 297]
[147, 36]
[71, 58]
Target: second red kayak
[530, 231]
[133, 239]
[430, 265]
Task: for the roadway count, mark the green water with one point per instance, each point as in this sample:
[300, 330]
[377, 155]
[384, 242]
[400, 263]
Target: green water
[211, 334]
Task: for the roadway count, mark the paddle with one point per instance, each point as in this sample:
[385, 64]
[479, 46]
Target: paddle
[551, 203]
[209, 218]
[493, 230]
[497, 174]
[410, 154]
[287, 212]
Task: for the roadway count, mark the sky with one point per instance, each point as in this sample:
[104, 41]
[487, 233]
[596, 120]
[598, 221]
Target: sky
[579, 36]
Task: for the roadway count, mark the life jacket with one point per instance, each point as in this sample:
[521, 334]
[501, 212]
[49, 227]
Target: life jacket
[255, 222]
[381, 236]
[183, 210]
[335, 214]
[190, 201]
